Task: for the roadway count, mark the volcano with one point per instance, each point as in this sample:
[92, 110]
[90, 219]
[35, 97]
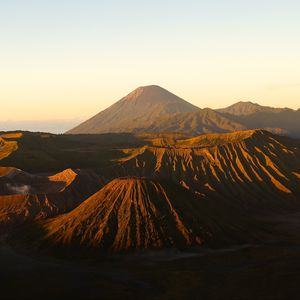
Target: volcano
[133, 213]
[26, 197]
[245, 167]
[135, 111]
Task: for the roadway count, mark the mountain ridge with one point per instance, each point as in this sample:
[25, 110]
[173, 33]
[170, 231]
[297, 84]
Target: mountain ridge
[255, 158]
[285, 121]
[199, 122]
[154, 109]
[248, 108]
[25, 197]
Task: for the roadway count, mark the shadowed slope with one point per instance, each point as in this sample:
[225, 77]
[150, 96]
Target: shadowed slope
[43, 153]
[153, 109]
[198, 122]
[206, 190]
[27, 197]
[139, 213]
[247, 108]
[15, 181]
[8, 171]
[252, 115]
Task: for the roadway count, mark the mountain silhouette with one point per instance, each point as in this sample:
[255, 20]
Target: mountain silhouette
[252, 115]
[136, 110]
[152, 109]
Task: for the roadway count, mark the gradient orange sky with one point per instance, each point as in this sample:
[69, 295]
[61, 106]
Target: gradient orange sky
[71, 59]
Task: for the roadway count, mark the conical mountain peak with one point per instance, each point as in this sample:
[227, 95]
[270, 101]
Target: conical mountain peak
[155, 95]
[131, 213]
[135, 111]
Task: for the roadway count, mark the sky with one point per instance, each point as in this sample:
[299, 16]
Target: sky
[66, 60]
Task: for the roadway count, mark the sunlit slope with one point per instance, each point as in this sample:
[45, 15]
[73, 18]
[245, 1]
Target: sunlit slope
[206, 190]
[216, 139]
[26, 197]
[16, 181]
[134, 111]
[251, 164]
[8, 146]
[162, 139]
[139, 213]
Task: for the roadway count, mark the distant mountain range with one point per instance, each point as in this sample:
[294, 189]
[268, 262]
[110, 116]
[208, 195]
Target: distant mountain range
[252, 115]
[154, 109]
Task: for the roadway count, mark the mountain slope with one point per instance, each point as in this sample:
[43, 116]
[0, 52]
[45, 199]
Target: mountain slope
[195, 123]
[139, 213]
[211, 189]
[43, 153]
[154, 109]
[26, 197]
[15, 181]
[248, 167]
[137, 109]
[252, 115]
[247, 108]
[7, 147]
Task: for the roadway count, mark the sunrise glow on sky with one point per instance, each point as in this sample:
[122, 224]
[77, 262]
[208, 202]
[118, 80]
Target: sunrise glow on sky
[64, 59]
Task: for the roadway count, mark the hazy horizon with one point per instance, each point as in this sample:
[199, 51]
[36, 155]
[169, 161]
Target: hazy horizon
[66, 60]
[56, 126]
[52, 126]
